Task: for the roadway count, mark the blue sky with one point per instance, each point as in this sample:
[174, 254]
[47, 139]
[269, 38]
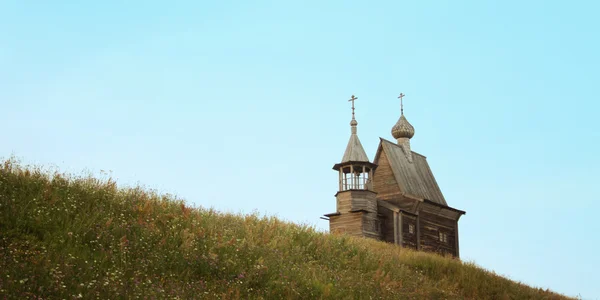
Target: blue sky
[242, 106]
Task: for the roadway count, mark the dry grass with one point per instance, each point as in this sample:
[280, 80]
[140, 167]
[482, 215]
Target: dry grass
[64, 237]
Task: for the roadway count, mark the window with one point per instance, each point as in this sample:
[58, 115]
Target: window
[411, 228]
[443, 237]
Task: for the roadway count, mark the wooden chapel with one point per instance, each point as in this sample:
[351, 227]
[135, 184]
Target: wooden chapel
[395, 198]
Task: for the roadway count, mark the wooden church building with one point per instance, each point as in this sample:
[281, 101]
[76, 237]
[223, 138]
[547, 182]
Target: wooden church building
[395, 198]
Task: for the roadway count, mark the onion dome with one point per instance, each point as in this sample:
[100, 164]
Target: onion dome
[403, 129]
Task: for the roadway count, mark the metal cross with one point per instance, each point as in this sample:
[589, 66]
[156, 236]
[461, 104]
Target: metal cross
[352, 100]
[401, 103]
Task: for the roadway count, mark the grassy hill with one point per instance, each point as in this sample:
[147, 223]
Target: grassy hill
[63, 237]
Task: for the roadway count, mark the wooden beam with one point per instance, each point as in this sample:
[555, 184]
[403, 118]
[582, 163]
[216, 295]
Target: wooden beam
[396, 228]
[352, 177]
[456, 239]
[400, 232]
[412, 197]
[418, 233]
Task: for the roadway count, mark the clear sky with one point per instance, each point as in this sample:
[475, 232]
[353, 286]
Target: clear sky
[242, 106]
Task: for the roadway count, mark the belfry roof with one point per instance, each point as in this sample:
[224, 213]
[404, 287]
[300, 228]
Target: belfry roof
[354, 151]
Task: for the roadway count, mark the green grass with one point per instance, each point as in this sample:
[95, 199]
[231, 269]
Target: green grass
[64, 237]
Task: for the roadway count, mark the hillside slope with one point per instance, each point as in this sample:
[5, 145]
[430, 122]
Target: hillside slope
[64, 237]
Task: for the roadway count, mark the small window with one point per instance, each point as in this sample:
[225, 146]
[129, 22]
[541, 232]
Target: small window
[443, 237]
[411, 228]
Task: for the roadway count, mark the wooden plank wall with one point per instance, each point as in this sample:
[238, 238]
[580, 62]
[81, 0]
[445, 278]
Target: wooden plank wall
[430, 227]
[367, 203]
[355, 200]
[384, 182]
[386, 186]
[387, 224]
[362, 223]
[371, 225]
[349, 223]
[344, 202]
[409, 240]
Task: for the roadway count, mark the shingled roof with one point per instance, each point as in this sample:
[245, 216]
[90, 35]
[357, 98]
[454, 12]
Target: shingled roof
[354, 151]
[414, 178]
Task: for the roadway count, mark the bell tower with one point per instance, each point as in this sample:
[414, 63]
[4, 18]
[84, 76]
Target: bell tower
[356, 203]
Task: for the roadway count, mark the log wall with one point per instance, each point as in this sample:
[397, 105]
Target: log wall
[349, 223]
[348, 201]
[387, 188]
[387, 224]
[409, 240]
[431, 225]
[384, 182]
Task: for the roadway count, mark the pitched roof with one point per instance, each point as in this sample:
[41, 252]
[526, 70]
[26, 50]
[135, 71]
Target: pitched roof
[354, 151]
[416, 178]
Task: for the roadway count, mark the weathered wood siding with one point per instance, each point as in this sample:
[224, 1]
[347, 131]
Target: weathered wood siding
[360, 207]
[387, 224]
[344, 202]
[371, 225]
[384, 182]
[348, 201]
[386, 186]
[409, 240]
[356, 224]
[349, 223]
[446, 222]
[430, 227]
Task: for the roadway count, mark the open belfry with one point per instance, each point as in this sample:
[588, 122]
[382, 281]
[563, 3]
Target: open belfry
[395, 198]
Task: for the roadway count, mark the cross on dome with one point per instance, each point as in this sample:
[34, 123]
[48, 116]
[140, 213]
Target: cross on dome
[401, 103]
[353, 123]
[352, 99]
[402, 130]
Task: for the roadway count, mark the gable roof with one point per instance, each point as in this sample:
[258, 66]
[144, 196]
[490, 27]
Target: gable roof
[414, 178]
